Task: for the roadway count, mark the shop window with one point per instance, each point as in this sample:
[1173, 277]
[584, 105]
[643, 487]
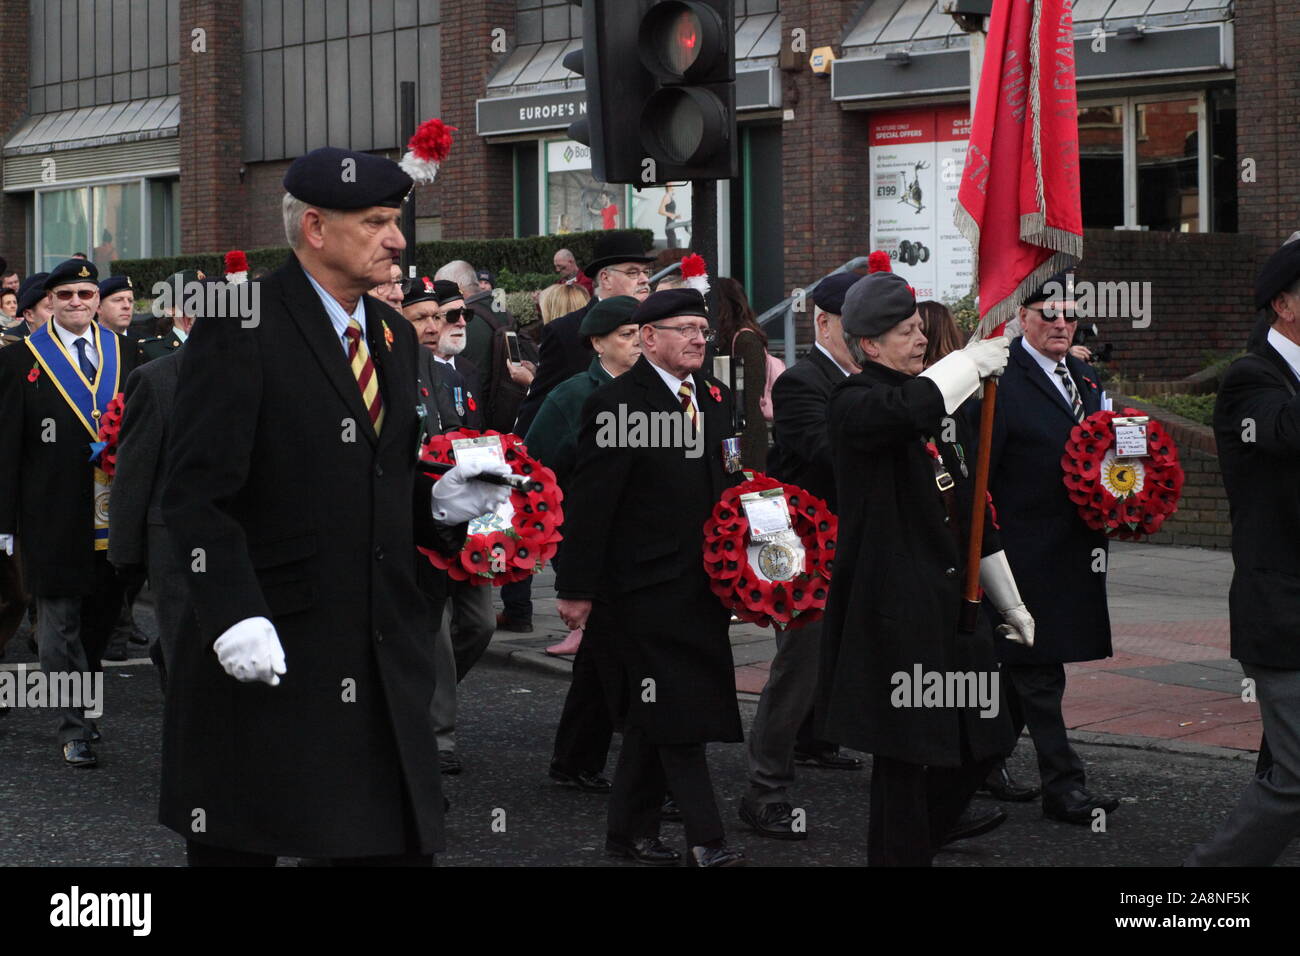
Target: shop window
[63, 222]
[164, 217]
[116, 231]
[126, 220]
[1101, 165]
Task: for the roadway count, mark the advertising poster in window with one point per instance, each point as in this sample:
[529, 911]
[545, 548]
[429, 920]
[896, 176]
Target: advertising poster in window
[575, 201]
[666, 211]
[916, 159]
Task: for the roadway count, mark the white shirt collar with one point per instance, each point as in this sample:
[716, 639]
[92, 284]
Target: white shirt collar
[180, 333]
[821, 348]
[338, 316]
[445, 361]
[674, 384]
[1287, 349]
[67, 338]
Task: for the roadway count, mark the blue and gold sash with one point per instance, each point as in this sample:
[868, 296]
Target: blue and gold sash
[87, 399]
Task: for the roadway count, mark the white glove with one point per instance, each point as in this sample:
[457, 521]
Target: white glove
[7, 544]
[1000, 584]
[989, 355]
[457, 498]
[250, 650]
[958, 373]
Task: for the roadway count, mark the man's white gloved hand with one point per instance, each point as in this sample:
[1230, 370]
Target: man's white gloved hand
[7, 544]
[998, 582]
[250, 650]
[457, 498]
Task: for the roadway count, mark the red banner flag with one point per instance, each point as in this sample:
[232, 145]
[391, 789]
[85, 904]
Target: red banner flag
[1018, 203]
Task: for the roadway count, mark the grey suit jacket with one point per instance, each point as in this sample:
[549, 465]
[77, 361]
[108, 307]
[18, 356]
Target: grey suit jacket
[136, 498]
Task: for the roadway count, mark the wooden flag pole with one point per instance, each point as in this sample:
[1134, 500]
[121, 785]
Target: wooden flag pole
[970, 608]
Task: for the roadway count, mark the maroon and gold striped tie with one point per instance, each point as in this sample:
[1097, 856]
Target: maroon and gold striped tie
[364, 370]
[688, 406]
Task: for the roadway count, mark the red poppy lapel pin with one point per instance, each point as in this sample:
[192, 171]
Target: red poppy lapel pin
[715, 393]
[473, 405]
[34, 374]
[388, 335]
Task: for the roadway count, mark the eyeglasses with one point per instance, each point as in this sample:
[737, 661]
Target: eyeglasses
[85, 295]
[456, 315]
[1057, 314]
[690, 331]
[632, 273]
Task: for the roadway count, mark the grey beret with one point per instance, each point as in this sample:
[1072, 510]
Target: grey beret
[876, 303]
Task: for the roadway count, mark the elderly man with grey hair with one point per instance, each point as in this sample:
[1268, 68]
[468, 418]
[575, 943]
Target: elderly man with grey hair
[490, 319]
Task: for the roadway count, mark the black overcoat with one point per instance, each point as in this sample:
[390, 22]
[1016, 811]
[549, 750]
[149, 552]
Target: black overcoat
[801, 446]
[1257, 430]
[1058, 562]
[633, 542]
[282, 503]
[561, 355]
[46, 478]
[896, 587]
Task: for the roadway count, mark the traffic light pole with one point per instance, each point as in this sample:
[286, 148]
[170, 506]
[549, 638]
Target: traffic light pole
[704, 223]
[407, 90]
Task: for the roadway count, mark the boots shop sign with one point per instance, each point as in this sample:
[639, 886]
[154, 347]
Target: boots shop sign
[916, 161]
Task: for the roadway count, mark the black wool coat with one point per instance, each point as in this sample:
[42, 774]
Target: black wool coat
[1257, 430]
[801, 445]
[896, 586]
[47, 486]
[283, 503]
[1051, 551]
[633, 543]
[561, 355]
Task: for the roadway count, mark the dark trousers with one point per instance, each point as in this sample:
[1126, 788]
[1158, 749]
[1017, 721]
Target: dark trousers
[200, 854]
[1034, 696]
[783, 720]
[913, 808]
[586, 727]
[517, 599]
[13, 598]
[645, 772]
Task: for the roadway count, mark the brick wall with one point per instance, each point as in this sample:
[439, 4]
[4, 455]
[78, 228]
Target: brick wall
[1200, 297]
[264, 189]
[211, 131]
[13, 107]
[475, 186]
[826, 178]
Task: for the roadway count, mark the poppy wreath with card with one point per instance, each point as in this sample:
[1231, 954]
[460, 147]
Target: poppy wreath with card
[499, 550]
[104, 451]
[1126, 498]
[751, 595]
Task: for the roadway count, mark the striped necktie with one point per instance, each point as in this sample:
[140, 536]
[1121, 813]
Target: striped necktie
[688, 406]
[364, 370]
[1076, 404]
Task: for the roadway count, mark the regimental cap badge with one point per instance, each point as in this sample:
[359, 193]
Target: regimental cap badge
[129, 283]
[84, 273]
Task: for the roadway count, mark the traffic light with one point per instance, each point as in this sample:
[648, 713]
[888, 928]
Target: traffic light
[661, 90]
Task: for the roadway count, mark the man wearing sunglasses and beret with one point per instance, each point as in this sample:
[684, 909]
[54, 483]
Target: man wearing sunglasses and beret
[55, 389]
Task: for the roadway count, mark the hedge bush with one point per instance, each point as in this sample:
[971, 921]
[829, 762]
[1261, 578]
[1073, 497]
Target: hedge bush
[525, 258]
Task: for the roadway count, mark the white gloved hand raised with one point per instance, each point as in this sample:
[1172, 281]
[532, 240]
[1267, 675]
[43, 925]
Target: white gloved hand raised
[989, 355]
[250, 651]
[1000, 584]
[958, 373]
[7, 544]
[457, 498]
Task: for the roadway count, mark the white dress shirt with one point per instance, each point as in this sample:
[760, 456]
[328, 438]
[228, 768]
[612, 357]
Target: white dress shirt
[1287, 349]
[339, 317]
[674, 385]
[821, 348]
[67, 338]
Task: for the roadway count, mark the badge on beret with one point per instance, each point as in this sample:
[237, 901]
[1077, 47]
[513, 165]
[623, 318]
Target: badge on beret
[84, 273]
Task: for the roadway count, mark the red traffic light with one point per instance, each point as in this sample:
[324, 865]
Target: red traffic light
[682, 42]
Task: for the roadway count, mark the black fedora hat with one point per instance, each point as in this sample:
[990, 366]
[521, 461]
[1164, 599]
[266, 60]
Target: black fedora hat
[621, 246]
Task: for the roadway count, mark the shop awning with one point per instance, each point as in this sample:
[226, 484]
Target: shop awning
[113, 123]
[911, 47]
[531, 89]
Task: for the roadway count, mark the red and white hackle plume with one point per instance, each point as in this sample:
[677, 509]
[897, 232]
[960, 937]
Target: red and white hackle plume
[236, 266]
[878, 261]
[427, 149]
[695, 274]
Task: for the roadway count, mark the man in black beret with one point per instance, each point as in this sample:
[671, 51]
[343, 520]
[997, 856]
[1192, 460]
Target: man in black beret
[55, 388]
[174, 322]
[800, 455]
[292, 502]
[1257, 429]
[34, 301]
[116, 303]
[904, 496]
[632, 565]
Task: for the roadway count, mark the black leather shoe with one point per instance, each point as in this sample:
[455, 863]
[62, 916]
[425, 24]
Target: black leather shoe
[648, 850]
[670, 811]
[716, 856]
[1002, 786]
[827, 760]
[79, 754]
[115, 653]
[448, 762]
[972, 824]
[775, 820]
[95, 735]
[1078, 807]
[584, 780]
[511, 624]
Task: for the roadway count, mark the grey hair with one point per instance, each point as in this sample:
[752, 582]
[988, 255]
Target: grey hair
[292, 209]
[854, 344]
[566, 252]
[460, 272]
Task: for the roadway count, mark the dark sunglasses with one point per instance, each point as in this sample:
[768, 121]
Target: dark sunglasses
[85, 295]
[455, 315]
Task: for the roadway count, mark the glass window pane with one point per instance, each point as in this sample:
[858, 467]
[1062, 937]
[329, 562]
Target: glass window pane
[117, 229]
[164, 217]
[1168, 175]
[65, 225]
[1223, 159]
[666, 211]
[575, 201]
[1101, 165]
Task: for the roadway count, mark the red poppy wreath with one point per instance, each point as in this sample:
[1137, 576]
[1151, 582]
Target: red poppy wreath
[500, 548]
[754, 594]
[104, 451]
[1124, 497]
